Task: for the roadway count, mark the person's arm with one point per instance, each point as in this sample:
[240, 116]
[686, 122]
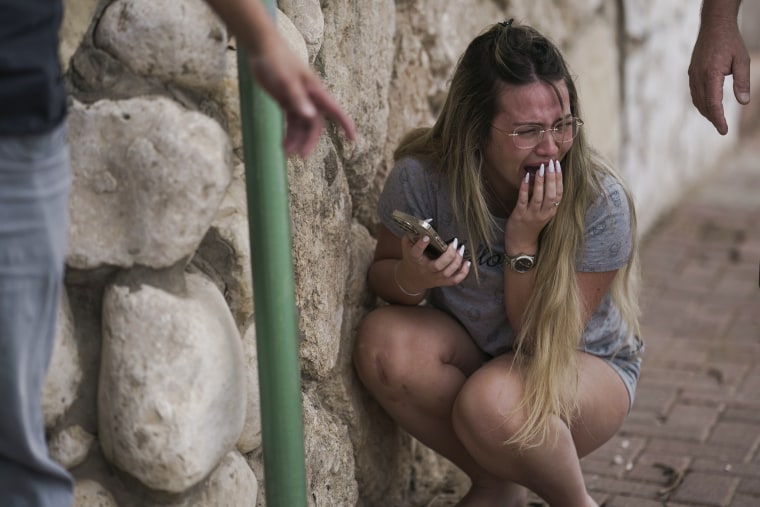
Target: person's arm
[290, 82]
[524, 225]
[401, 273]
[718, 51]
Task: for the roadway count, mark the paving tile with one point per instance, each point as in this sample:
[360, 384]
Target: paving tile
[744, 329]
[750, 487]
[706, 489]
[722, 398]
[750, 388]
[628, 501]
[658, 468]
[740, 352]
[737, 469]
[694, 433]
[735, 283]
[675, 447]
[735, 434]
[742, 414]
[615, 457]
[687, 377]
[748, 315]
[655, 399]
[612, 486]
[741, 500]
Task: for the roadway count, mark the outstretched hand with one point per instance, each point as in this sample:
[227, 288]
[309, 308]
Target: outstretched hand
[718, 52]
[300, 94]
[292, 84]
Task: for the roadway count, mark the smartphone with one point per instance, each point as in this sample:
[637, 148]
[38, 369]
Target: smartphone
[415, 228]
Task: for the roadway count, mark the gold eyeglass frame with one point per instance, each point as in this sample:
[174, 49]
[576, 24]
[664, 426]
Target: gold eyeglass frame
[578, 124]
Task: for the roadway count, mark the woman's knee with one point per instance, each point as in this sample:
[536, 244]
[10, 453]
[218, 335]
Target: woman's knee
[379, 356]
[487, 410]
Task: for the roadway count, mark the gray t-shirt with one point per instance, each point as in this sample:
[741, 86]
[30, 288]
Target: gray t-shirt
[413, 187]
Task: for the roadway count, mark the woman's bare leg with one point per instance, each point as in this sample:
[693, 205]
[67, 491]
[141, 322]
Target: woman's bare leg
[483, 421]
[414, 360]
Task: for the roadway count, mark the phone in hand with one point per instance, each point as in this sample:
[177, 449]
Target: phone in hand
[415, 228]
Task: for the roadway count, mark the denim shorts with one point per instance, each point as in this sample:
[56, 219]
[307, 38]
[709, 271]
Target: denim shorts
[625, 360]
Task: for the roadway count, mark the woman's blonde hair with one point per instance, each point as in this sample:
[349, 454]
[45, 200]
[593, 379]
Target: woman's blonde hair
[552, 326]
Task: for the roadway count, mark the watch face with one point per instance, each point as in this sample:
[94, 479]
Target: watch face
[523, 264]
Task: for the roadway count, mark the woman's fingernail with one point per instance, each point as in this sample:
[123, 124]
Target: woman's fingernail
[468, 263]
[527, 177]
[426, 239]
[308, 110]
[551, 166]
[541, 171]
[559, 167]
[461, 251]
[455, 243]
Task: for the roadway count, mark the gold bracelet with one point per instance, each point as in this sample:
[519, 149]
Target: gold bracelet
[395, 279]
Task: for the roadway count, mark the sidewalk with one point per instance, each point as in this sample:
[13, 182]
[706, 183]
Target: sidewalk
[692, 438]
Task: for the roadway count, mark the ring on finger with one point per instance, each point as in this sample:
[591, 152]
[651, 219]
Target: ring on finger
[556, 203]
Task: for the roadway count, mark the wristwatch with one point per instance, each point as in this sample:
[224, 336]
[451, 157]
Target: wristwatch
[521, 263]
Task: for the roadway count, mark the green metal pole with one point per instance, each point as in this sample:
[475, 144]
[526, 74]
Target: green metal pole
[273, 286]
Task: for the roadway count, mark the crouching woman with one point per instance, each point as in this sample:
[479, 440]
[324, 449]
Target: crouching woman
[525, 354]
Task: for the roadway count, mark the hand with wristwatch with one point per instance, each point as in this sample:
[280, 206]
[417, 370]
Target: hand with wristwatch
[521, 263]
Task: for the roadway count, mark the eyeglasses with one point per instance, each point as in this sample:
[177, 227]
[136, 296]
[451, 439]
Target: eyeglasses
[529, 136]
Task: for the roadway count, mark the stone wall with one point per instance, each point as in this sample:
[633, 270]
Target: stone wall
[152, 396]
